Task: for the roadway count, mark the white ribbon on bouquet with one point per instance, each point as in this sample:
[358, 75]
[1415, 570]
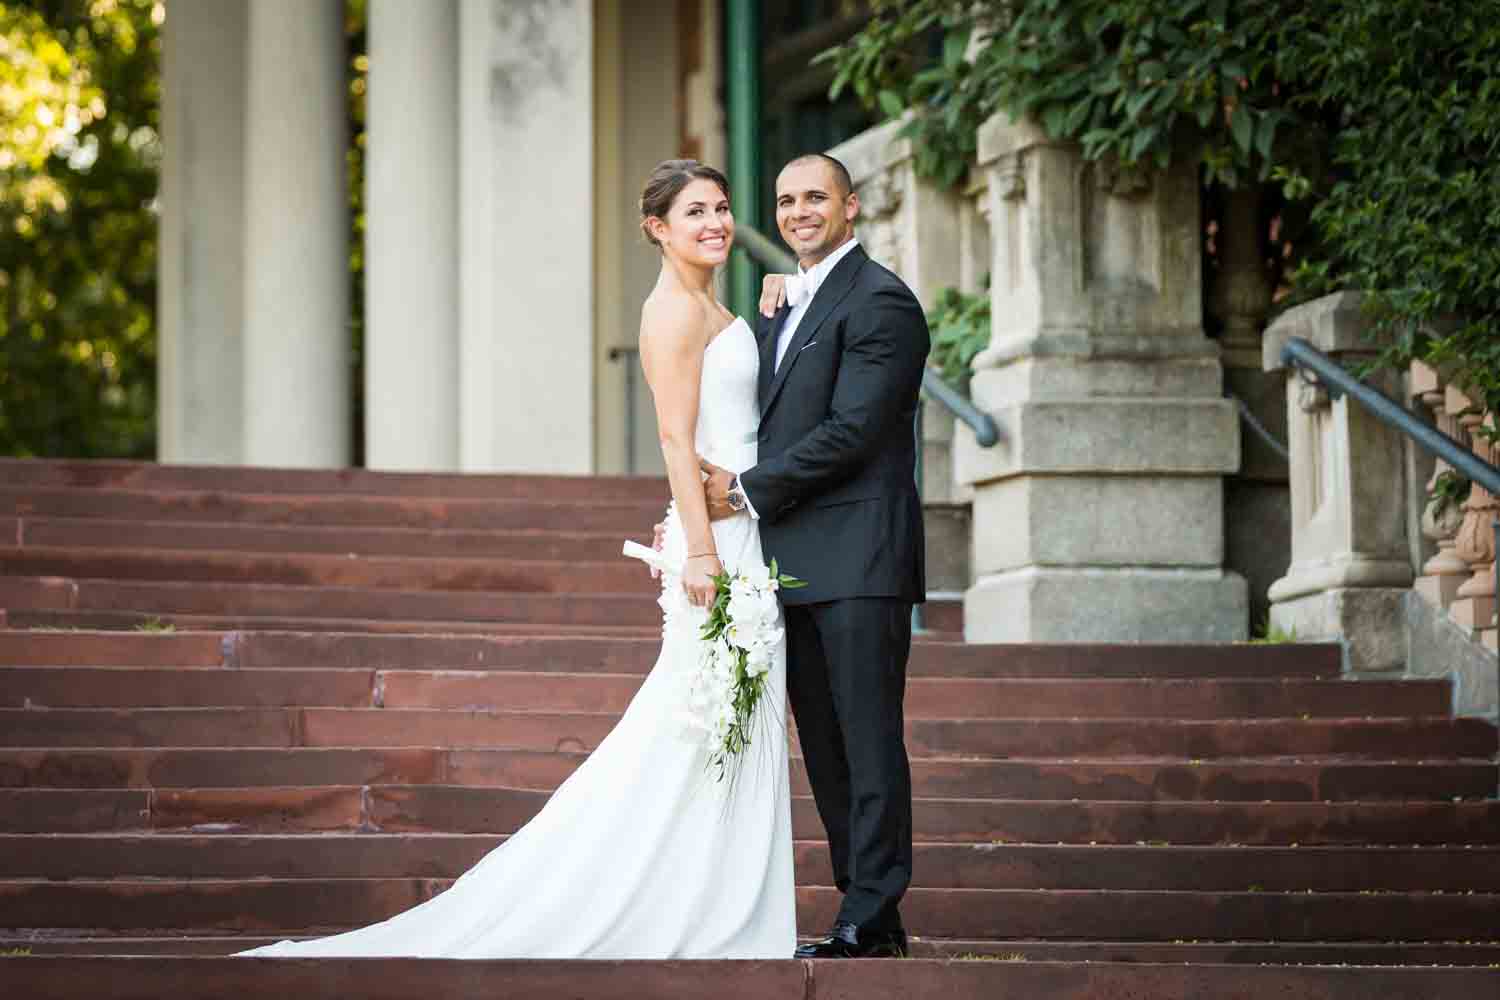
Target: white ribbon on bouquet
[652, 558]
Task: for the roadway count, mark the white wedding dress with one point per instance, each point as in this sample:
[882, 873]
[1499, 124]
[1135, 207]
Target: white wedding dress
[640, 853]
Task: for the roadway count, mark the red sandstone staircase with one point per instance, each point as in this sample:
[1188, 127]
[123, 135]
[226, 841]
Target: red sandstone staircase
[375, 678]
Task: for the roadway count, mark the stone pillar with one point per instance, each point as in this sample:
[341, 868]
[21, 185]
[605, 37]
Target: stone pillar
[411, 237]
[296, 374]
[1099, 515]
[527, 226]
[1351, 563]
[1257, 500]
[201, 262]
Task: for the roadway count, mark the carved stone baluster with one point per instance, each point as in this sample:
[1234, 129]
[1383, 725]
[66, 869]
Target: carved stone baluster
[1441, 518]
[1474, 607]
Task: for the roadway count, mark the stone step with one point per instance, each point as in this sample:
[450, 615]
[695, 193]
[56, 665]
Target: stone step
[291, 602]
[1418, 738]
[63, 604]
[97, 474]
[926, 697]
[936, 865]
[85, 533]
[1382, 953]
[464, 809]
[1116, 779]
[571, 652]
[1016, 950]
[147, 621]
[629, 517]
[616, 575]
[210, 978]
[309, 905]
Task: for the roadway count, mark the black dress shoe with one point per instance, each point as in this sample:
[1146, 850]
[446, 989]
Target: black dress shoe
[848, 941]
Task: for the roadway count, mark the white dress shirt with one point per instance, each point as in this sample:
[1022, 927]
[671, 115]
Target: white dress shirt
[802, 288]
[811, 281]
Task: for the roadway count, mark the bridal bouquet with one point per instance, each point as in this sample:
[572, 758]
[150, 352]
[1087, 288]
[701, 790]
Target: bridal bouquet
[737, 642]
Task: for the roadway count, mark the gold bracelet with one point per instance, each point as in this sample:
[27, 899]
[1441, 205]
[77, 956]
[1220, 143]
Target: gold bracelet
[700, 555]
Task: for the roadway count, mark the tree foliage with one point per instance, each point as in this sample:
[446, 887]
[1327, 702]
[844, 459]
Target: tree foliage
[1378, 118]
[1131, 80]
[79, 154]
[1412, 212]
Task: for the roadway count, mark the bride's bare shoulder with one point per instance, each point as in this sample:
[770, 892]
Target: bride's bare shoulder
[674, 320]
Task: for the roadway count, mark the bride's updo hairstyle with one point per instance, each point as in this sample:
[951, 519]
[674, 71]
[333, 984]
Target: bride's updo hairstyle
[666, 183]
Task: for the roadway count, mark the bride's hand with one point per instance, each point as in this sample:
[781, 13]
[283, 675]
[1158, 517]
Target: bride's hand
[698, 578]
[772, 294]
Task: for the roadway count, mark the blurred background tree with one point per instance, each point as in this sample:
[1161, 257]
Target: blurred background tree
[80, 158]
[80, 99]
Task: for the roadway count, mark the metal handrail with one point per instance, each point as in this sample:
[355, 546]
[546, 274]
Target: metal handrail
[986, 431]
[628, 355]
[1299, 353]
[1247, 416]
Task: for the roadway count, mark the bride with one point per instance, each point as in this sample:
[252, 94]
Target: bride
[641, 853]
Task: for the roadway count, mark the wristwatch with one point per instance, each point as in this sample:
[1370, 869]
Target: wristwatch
[737, 501]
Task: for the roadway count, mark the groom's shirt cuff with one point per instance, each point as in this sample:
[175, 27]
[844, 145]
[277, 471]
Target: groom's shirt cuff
[749, 507]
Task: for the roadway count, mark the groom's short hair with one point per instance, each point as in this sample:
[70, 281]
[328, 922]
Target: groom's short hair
[840, 172]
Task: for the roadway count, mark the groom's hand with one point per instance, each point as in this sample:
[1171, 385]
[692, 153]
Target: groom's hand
[716, 490]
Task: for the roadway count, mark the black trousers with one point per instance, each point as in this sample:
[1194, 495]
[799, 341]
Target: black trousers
[846, 678]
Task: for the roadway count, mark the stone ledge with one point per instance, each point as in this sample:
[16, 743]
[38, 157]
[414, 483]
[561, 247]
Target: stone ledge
[1051, 604]
[1069, 377]
[1055, 342]
[1344, 571]
[1333, 324]
[1140, 437]
[1122, 521]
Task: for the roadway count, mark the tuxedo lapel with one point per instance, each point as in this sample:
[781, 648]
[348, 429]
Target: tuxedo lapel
[836, 286]
[771, 331]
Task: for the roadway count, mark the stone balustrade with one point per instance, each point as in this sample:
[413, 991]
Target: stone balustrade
[1460, 577]
[1400, 605]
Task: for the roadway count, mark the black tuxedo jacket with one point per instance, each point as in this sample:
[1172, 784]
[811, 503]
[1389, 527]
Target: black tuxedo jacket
[835, 487]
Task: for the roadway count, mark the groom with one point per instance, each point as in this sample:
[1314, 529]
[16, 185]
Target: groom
[835, 494]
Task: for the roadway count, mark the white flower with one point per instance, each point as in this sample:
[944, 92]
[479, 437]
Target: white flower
[758, 577]
[758, 662]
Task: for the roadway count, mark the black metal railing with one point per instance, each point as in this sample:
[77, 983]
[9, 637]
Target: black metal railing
[1336, 382]
[1248, 418]
[631, 357]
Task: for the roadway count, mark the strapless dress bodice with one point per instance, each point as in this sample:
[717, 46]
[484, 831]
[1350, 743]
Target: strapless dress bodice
[728, 410]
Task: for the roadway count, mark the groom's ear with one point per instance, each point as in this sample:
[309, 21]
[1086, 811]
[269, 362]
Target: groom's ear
[851, 206]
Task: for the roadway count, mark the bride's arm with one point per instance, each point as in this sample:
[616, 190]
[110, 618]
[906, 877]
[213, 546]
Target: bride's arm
[672, 356]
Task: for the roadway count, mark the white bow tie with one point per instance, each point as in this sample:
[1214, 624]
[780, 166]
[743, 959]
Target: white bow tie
[798, 288]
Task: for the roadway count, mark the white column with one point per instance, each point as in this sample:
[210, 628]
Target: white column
[411, 237]
[201, 261]
[526, 183]
[296, 256]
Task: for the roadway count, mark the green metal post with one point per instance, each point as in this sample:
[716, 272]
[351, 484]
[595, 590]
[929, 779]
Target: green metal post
[742, 83]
